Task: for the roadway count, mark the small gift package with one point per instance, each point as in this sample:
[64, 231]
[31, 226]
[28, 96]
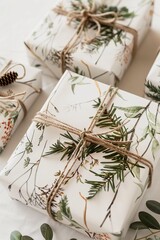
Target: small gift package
[92, 38]
[87, 157]
[152, 83]
[19, 87]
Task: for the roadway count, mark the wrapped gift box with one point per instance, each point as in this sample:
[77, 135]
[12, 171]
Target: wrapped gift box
[81, 160]
[105, 57]
[152, 83]
[16, 98]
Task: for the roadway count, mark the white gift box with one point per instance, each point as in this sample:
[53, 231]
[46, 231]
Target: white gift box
[101, 191]
[152, 83]
[107, 57]
[16, 98]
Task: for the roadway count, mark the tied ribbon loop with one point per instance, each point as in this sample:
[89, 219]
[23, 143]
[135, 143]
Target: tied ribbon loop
[11, 102]
[87, 136]
[9, 66]
[88, 14]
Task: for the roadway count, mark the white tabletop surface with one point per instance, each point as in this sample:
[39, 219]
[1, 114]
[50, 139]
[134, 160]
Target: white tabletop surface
[17, 19]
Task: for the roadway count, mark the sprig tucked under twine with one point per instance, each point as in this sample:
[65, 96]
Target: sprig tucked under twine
[11, 102]
[88, 14]
[85, 137]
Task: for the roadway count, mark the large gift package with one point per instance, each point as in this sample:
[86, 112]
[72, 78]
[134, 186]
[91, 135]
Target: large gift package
[92, 38]
[88, 157]
[152, 83]
[19, 88]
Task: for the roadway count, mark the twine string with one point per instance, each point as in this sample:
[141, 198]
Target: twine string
[85, 137]
[9, 66]
[88, 14]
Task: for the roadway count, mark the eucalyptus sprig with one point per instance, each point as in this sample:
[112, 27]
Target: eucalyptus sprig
[45, 229]
[148, 222]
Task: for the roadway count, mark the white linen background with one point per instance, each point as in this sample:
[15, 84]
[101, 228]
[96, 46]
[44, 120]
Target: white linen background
[17, 19]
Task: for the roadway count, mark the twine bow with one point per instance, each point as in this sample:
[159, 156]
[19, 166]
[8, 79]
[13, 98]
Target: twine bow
[88, 14]
[8, 67]
[11, 102]
[87, 136]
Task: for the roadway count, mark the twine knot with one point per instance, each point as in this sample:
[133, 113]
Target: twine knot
[85, 13]
[84, 133]
[90, 14]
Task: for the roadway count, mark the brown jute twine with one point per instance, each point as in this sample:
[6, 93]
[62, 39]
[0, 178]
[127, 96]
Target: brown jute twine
[87, 136]
[12, 98]
[89, 15]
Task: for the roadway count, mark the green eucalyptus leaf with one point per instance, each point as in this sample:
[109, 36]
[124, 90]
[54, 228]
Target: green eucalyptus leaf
[151, 117]
[155, 148]
[73, 87]
[133, 109]
[156, 126]
[46, 231]
[59, 216]
[26, 238]
[142, 187]
[6, 114]
[144, 134]
[149, 220]
[15, 235]
[136, 171]
[138, 225]
[132, 112]
[154, 206]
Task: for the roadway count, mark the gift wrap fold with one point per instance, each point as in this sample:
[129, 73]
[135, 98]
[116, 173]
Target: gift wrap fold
[152, 83]
[87, 157]
[20, 86]
[93, 38]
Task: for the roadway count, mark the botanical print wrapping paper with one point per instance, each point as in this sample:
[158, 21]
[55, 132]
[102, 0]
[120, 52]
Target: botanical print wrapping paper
[152, 84]
[104, 188]
[108, 55]
[25, 90]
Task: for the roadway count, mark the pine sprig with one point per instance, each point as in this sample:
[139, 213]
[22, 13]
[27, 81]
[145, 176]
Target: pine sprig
[154, 91]
[67, 147]
[109, 119]
[115, 168]
[96, 187]
[111, 171]
[65, 212]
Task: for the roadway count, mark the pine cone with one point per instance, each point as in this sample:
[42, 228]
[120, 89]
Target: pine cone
[8, 78]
